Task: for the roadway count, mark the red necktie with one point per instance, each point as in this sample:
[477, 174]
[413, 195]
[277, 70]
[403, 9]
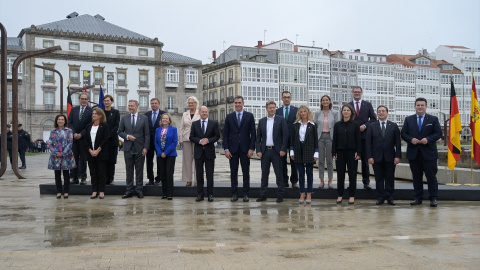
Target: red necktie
[358, 110]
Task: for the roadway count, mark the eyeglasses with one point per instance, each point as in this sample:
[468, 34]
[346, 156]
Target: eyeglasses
[287, 97]
[84, 99]
[357, 92]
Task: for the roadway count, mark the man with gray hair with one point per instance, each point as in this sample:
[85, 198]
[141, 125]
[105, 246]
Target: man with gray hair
[153, 117]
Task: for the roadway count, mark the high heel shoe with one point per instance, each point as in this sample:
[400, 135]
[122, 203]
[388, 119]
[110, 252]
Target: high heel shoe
[65, 196]
[93, 197]
[101, 197]
[350, 202]
[309, 198]
[330, 186]
[59, 196]
[339, 202]
[322, 184]
[302, 198]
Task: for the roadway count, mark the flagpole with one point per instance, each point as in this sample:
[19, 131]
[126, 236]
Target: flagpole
[472, 138]
[450, 151]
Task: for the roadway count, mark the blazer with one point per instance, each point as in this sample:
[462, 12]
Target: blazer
[239, 138]
[333, 117]
[186, 125]
[141, 133]
[346, 136]
[431, 130]
[310, 144]
[171, 142]
[366, 117]
[77, 125]
[292, 116]
[212, 133]
[383, 148]
[101, 140]
[153, 126]
[61, 140]
[280, 134]
[113, 122]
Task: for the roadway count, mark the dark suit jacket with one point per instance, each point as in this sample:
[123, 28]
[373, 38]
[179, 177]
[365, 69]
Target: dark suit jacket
[101, 140]
[280, 134]
[239, 138]
[310, 144]
[366, 117]
[77, 125]
[212, 133]
[141, 133]
[153, 126]
[430, 129]
[113, 122]
[383, 148]
[292, 116]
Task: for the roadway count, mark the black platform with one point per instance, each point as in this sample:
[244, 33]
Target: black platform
[223, 190]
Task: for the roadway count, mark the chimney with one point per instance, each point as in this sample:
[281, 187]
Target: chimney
[214, 56]
[357, 51]
[259, 44]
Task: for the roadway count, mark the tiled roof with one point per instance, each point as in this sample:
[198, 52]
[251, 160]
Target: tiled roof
[87, 24]
[406, 60]
[14, 43]
[175, 57]
[456, 47]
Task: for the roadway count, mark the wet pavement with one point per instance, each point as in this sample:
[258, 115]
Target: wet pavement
[41, 232]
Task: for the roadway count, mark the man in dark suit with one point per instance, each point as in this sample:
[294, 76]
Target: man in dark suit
[239, 144]
[134, 130]
[154, 117]
[421, 132]
[364, 117]
[78, 119]
[23, 144]
[384, 151]
[272, 140]
[288, 112]
[204, 133]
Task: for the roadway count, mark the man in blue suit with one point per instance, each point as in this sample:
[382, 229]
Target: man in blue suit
[78, 119]
[271, 147]
[288, 112]
[154, 117]
[239, 144]
[421, 131]
[364, 116]
[384, 151]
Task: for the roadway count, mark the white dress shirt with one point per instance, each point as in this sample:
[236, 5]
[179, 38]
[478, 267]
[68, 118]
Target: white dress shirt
[270, 121]
[301, 133]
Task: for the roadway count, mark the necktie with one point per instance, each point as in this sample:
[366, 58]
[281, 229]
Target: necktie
[383, 129]
[203, 127]
[238, 119]
[286, 113]
[81, 113]
[133, 121]
[420, 123]
[358, 110]
[154, 118]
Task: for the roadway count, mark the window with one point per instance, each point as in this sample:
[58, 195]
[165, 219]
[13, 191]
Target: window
[121, 78]
[10, 64]
[143, 78]
[74, 46]
[170, 103]
[230, 76]
[98, 48]
[222, 78]
[172, 75]
[191, 77]
[121, 50]
[75, 99]
[48, 75]
[143, 102]
[74, 76]
[48, 100]
[142, 52]
[122, 102]
[48, 43]
[98, 77]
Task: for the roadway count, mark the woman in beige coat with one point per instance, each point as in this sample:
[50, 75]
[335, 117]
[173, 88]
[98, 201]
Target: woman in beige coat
[188, 168]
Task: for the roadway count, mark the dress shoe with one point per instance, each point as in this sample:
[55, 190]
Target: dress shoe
[22, 167]
[84, 182]
[245, 198]
[150, 183]
[295, 185]
[367, 187]
[139, 195]
[279, 199]
[74, 181]
[199, 198]
[416, 202]
[433, 203]
[286, 185]
[112, 183]
[127, 195]
[157, 184]
[164, 197]
[380, 201]
[189, 184]
[169, 198]
[210, 198]
[262, 199]
[391, 202]
[234, 198]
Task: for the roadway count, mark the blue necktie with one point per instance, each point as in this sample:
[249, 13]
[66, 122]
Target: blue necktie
[420, 123]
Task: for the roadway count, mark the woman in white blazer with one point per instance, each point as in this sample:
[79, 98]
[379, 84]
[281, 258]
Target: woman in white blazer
[325, 119]
[188, 117]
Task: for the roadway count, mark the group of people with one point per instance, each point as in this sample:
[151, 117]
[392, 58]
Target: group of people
[24, 142]
[307, 137]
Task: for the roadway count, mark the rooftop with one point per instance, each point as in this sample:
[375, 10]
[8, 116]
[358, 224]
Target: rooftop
[14, 43]
[175, 57]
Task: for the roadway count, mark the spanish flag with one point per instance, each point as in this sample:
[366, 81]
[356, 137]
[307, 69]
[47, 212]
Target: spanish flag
[455, 127]
[475, 124]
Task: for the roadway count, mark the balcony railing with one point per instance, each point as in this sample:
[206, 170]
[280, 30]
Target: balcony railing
[49, 107]
[215, 102]
[222, 82]
[230, 99]
[230, 80]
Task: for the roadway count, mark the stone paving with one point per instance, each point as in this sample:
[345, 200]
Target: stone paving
[41, 232]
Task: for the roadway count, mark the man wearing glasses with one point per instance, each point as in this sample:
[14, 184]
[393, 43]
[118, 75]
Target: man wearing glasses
[78, 119]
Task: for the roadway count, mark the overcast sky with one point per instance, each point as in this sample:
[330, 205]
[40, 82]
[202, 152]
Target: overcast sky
[196, 27]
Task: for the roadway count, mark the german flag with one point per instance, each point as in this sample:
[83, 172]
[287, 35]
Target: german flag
[69, 100]
[475, 124]
[455, 127]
